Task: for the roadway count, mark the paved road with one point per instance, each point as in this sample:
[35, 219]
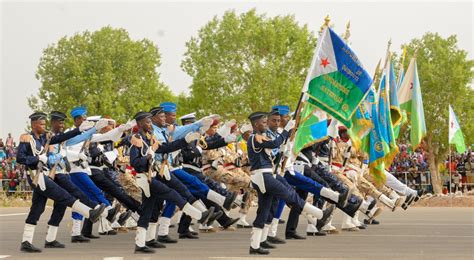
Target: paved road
[419, 233]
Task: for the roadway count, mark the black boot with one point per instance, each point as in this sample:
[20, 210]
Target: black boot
[294, 236]
[266, 245]
[229, 199]
[79, 239]
[124, 217]
[275, 240]
[343, 197]
[154, 244]
[419, 194]
[281, 221]
[91, 236]
[316, 234]
[214, 216]
[144, 250]
[27, 247]
[108, 233]
[188, 235]
[408, 200]
[229, 222]
[53, 244]
[167, 240]
[258, 251]
[112, 213]
[325, 219]
[94, 214]
[206, 215]
[351, 208]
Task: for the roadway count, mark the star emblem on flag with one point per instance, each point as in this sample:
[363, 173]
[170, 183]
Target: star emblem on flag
[324, 62]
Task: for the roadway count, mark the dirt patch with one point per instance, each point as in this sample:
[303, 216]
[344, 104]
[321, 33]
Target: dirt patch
[445, 201]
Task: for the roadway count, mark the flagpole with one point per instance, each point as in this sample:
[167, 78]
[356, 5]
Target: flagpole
[296, 115]
[450, 159]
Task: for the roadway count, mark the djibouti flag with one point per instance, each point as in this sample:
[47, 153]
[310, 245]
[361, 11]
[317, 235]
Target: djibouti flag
[410, 99]
[455, 133]
[336, 81]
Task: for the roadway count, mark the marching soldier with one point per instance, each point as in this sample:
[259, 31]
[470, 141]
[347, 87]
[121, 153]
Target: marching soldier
[142, 154]
[267, 186]
[32, 152]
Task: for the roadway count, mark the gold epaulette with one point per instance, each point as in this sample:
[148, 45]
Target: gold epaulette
[137, 141]
[25, 138]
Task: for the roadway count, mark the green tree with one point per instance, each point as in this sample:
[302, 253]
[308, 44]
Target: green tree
[105, 71]
[248, 62]
[445, 74]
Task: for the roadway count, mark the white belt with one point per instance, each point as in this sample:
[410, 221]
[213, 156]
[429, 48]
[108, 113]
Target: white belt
[98, 167]
[142, 182]
[175, 168]
[259, 171]
[257, 178]
[192, 167]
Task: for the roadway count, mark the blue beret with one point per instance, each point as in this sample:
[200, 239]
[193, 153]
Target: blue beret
[282, 109]
[78, 111]
[168, 107]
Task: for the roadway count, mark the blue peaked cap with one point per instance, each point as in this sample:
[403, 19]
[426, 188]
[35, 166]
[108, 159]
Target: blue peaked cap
[282, 109]
[78, 111]
[168, 107]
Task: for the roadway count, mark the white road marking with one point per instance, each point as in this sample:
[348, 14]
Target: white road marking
[13, 214]
[4, 256]
[268, 258]
[421, 236]
[113, 258]
[427, 224]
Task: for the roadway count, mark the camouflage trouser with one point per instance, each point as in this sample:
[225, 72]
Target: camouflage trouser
[129, 184]
[251, 192]
[384, 189]
[363, 184]
[236, 180]
[343, 178]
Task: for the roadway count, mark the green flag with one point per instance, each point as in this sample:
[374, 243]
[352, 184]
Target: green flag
[455, 133]
[411, 102]
[336, 81]
[312, 127]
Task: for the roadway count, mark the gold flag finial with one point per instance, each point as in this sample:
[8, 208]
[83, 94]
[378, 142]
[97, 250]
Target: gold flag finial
[347, 34]
[326, 24]
[327, 19]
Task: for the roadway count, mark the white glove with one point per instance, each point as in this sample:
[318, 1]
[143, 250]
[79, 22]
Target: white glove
[290, 125]
[129, 125]
[86, 125]
[100, 147]
[190, 137]
[101, 124]
[230, 123]
[82, 156]
[230, 138]
[206, 122]
[43, 158]
[150, 152]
